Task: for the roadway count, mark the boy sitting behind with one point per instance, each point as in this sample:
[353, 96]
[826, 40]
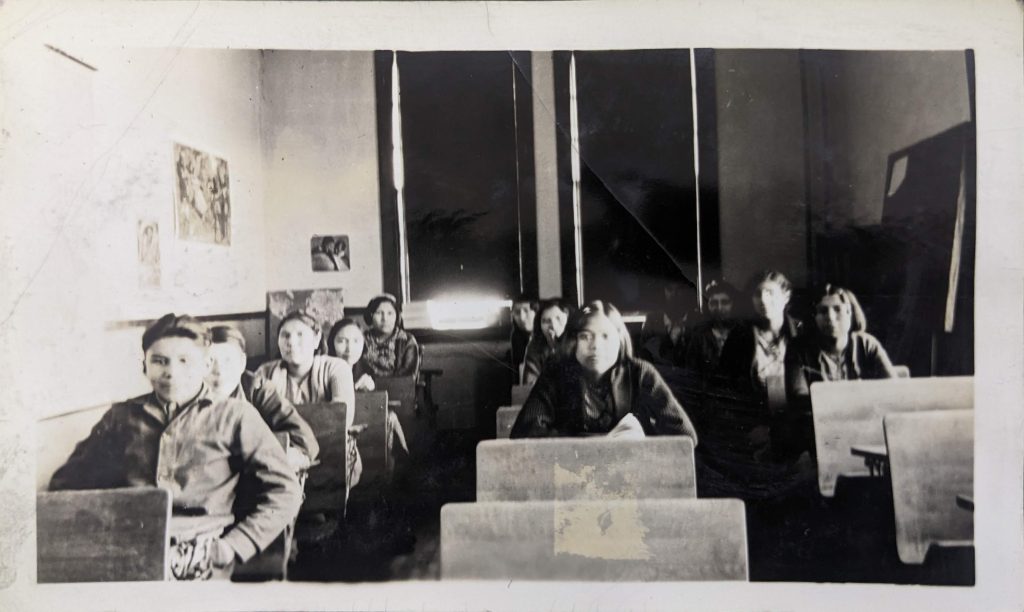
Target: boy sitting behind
[182, 438]
[229, 378]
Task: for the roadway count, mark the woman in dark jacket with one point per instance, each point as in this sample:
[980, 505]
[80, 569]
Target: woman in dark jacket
[598, 386]
[548, 332]
[836, 347]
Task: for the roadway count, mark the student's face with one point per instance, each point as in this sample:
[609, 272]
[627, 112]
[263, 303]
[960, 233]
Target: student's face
[348, 344]
[597, 344]
[833, 317]
[770, 300]
[552, 323]
[176, 368]
[227, 364]
[298, 342]
[719, 306]
[523, 315]
[384, 318]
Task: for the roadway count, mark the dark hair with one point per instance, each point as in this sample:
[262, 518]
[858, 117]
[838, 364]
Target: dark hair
[222, 334]
[858, 322]
[719, 286]
[325, 241]
[336, 329]
[309, 321]
[769, 275]
[375, 304]
[173, 326]
[551, 303]
[591, 310]
[524, 298]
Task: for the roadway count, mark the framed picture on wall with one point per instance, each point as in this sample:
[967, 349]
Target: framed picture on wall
[329, 253]
[202, 198]
[148, 236]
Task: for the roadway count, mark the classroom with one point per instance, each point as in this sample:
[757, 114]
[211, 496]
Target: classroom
[644, 314]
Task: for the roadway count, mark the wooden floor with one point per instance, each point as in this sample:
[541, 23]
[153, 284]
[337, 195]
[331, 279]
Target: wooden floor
[801, 538]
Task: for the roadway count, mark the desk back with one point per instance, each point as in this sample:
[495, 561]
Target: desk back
[850, 413]
[103, 536]
[372, 411]
[504, 419]
[327, 482]
[931, 461]
[585, 468]
[623, 540]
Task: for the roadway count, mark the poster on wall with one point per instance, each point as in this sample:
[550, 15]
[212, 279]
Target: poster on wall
[329, 253]
[148, 236]
[325, 305]
[202, 202]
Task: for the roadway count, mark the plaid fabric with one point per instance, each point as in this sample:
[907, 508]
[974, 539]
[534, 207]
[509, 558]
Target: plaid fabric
[192, 559]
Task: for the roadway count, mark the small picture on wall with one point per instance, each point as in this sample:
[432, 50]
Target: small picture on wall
[329, 253]
[202, 202]
[149, 254]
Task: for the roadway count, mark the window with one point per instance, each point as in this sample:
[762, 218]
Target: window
[465, 156]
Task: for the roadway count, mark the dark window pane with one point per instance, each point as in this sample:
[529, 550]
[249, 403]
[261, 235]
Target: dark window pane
[638, 206]
[459, 138]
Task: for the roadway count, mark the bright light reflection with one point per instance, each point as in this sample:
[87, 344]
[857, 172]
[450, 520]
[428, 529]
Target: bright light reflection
[466, 313]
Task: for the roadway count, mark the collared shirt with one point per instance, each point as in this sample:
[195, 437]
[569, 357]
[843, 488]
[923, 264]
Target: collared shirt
[198, 453]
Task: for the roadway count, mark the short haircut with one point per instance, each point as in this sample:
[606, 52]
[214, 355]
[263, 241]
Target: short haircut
[591, 310]
[858, 322]
[222, 334]
[309, 321]
[173, 326]
[375, 304]
[769, 276]
[524, 298]
[336, 329]
[302, 316]
[716, 286]
[326, 240]
[551, 303]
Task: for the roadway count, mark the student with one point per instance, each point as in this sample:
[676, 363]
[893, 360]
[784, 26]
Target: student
[599, 386]
[302, 375]
[346, 340]
[229, 378]
[390, 350]
[836, 347]
[523, 313]
[704, 345]
[197, 446]
[548, 330]
[756, 348]
[665, 340]
[323, 257]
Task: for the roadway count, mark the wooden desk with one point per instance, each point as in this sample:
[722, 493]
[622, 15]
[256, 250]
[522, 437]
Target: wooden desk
[585, 468]
[931, 461]
[103, 536]
[504, 419]
[607, 540]
[849, 413]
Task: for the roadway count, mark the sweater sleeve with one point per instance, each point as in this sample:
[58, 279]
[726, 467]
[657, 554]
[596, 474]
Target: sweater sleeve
[276, 492]
[670, 419]
[282, 416]
[408, 362]
[342, 387]
[877, 359]
[537, 417]
[531, 363]
[93, 463]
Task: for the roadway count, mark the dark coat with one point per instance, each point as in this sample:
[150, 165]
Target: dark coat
[555, 406]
